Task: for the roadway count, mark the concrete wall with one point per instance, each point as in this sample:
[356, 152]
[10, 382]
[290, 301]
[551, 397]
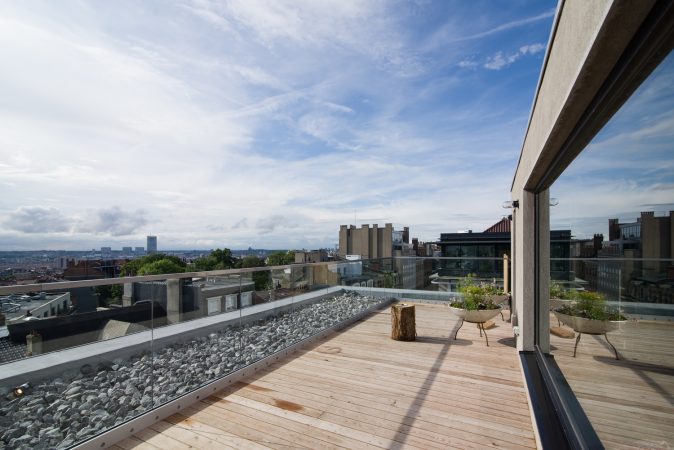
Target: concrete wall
[588, 39]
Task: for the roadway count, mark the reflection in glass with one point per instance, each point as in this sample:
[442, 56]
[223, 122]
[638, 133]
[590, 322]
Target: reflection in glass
[612, 322]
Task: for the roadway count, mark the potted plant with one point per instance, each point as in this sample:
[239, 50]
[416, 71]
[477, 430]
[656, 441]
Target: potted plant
[476, 304]
[559, 296]
[590, 314]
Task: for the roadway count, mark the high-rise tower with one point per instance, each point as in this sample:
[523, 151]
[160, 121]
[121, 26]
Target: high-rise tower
[151, 244]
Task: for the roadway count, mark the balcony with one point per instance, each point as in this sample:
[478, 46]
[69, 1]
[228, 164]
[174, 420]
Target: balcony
[308, 361]
[360, 389]
[213, 339]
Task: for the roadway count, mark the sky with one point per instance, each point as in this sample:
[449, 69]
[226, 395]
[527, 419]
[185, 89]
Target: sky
[260, 123]
[627, 168]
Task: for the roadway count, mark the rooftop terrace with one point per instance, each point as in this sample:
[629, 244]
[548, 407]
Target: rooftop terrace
[361, 389]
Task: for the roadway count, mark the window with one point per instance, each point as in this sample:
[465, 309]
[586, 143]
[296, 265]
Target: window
[612, 320]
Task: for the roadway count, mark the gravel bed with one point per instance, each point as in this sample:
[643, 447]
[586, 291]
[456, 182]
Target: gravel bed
[77, 404]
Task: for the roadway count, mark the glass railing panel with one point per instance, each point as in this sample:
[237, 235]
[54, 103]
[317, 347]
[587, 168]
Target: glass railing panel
[198, 328]
[611, 332]
[84, 364]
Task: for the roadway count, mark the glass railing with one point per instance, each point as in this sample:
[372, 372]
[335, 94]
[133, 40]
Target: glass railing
[612, 335]
[79, 358]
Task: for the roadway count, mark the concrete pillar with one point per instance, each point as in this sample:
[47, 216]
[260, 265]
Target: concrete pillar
[127, 296]
[524, 248]
[374, 241]
[529, 246]
[174, 303]
[343, 241]
[387, 241]
[365, 241]
[33, 344]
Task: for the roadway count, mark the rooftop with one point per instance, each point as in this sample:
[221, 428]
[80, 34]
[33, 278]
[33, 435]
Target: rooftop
[361, 389]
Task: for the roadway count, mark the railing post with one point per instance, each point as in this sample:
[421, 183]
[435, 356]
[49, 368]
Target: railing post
[506, 273]
[173, 297]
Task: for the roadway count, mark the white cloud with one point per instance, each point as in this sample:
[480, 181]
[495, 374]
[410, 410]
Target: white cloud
[37, 219]
[242, 123]
[467, 63]
[113, 221]
[499, 60]
[532, 49]
[455, 30]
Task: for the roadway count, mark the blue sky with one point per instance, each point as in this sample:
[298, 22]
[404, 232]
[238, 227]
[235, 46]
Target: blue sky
[627, 168]
[259, 123]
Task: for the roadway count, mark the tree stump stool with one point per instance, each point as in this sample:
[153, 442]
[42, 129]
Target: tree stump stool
[403, 322]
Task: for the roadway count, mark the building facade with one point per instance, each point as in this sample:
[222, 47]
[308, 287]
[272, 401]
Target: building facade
[374, 242]
[151, 244]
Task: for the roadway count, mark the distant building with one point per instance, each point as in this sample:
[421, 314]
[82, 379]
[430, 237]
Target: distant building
[127, 250]
[650, 237]
[375, 242]
[481, 253]
[189, 299]
[312, 256]
[139, 250]
[657, 241]
[61, 262]
[106, 252]
[151, 244]
[83, 270]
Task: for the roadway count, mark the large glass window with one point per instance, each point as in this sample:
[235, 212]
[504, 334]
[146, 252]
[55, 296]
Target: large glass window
[612, 288]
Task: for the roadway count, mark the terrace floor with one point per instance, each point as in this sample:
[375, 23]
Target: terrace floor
[359, 389]
[630, 402]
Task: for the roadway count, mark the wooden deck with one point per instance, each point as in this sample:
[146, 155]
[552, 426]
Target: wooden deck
[630, 402]
[360, 390]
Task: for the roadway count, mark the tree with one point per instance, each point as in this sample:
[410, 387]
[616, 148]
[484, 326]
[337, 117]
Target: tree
[217, 260]
[133, 267]
[111, 293]
[262, 278]
[281, 258]
[163, 266]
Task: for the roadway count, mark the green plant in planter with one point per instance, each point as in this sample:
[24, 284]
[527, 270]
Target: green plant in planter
[558, 291]
[476, 296]
[591, 305]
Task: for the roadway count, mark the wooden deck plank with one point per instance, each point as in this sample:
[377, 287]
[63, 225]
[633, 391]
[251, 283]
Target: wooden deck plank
[188, 436]
[441, 407]
[134, 443]
[294, 432]
[366, 421]
[630, 402]
[258, 432]
[160, 440]
[349, 405]
[360, 389]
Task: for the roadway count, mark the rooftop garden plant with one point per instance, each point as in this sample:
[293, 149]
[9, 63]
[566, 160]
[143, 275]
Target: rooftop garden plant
[559, 291]
[476, 296]
[591, 305]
